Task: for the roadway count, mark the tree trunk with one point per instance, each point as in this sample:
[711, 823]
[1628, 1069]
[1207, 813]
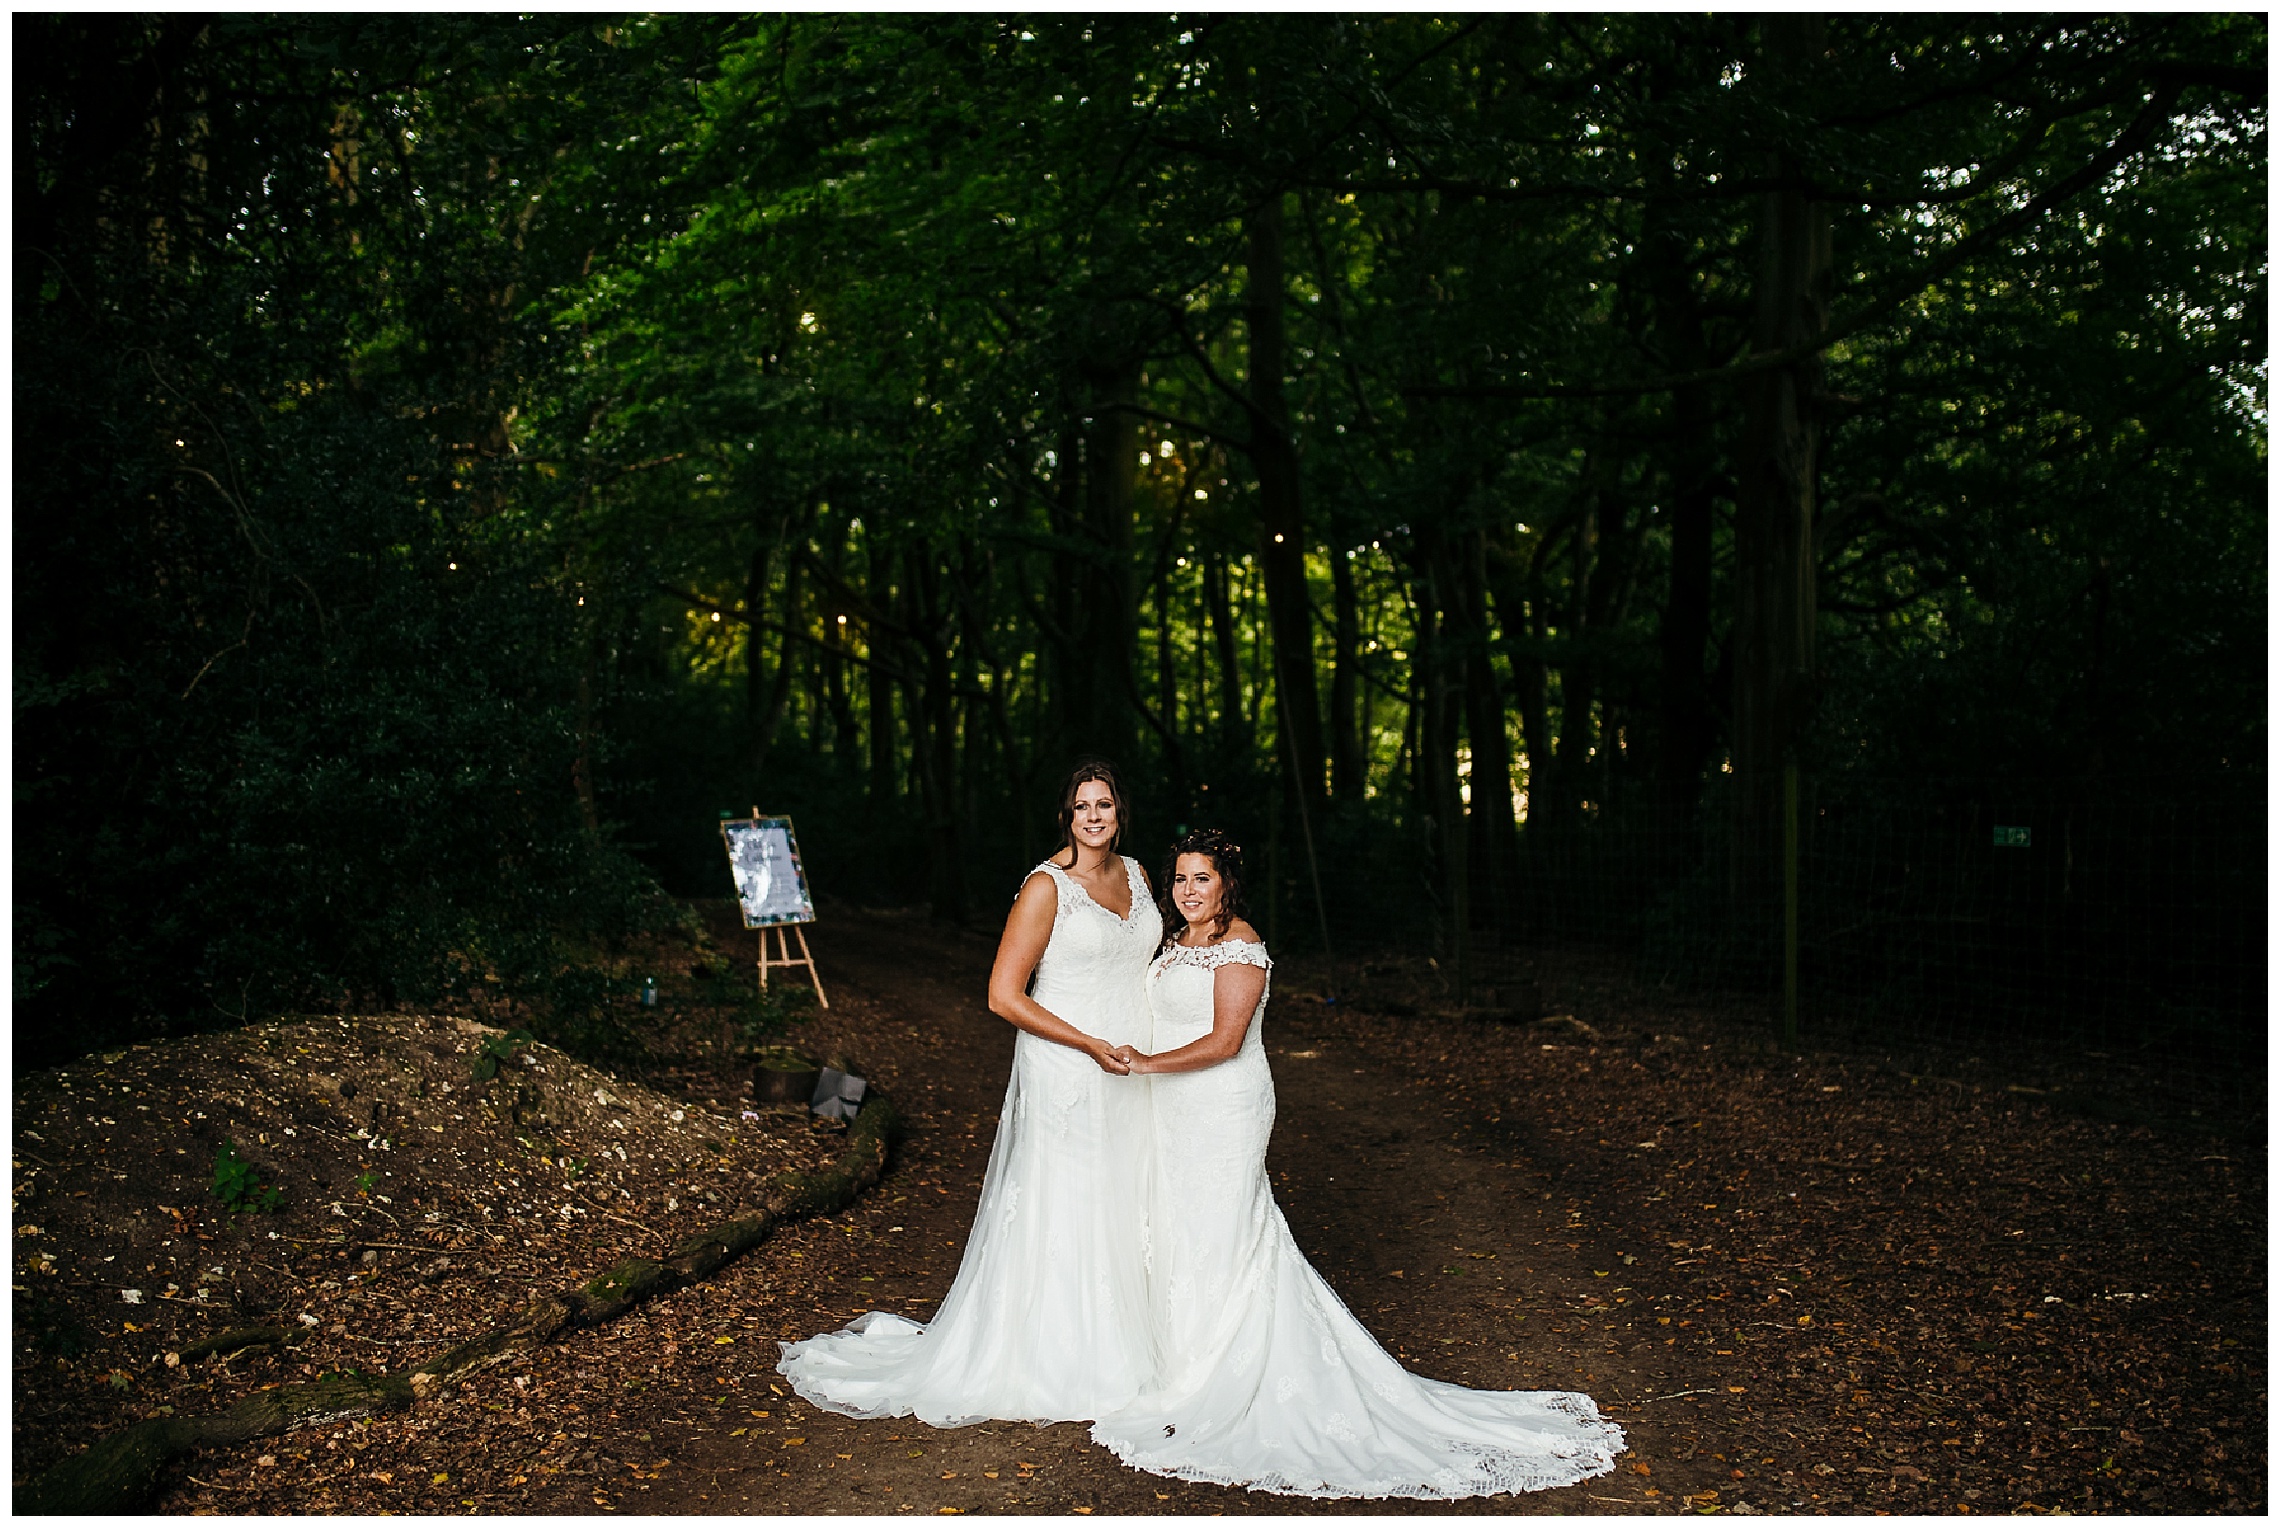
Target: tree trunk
[1773, 535]
[770, 717]
[1073, 689]
[1256, 694]
[1368, 723]
[1167, 680]
[934, 743]
[1613, 583]
[1349, 759]
[836, 701]
[933, 737]
[972, 751]
[756, 601]
[1521, 621]
[582, 766]
[1166, 718]
[975, 587]
[1579, 673]
[1234, 733]
[1110, 620]
[832, 669]
[1199, 703]
[1416, 735]
[1438, 661]
[1282, 522]
[879, 592]
[1688, 720]
[1495, 840]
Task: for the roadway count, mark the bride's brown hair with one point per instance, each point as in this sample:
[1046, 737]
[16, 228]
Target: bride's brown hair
[1105, 773]
[1226, 858]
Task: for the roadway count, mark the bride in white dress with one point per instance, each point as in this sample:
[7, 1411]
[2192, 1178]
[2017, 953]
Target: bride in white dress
[1047, 1320]
[1267, 1380]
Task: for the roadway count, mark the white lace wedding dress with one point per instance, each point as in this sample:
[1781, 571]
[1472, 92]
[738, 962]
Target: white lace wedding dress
[1268, 1381]
[1047, 1320]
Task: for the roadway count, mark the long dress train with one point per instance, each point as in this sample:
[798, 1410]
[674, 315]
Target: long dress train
[1268, 1381]
[1047, 1319]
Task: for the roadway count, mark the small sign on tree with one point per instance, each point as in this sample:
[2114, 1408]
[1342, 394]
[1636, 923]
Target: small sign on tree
[2013, 838]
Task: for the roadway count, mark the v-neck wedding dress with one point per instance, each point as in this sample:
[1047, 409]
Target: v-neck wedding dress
[1047, 1320]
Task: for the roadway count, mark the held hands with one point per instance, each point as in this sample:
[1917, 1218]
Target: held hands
[1120, 1060]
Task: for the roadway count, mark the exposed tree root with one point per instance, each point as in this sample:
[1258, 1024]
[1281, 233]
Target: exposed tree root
[242, 1340]
[117, 1473]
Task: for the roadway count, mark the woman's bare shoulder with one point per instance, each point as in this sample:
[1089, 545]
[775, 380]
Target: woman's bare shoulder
[1241, 929]
[1037, 894]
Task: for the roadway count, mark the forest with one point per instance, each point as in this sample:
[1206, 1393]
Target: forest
[1533, 477]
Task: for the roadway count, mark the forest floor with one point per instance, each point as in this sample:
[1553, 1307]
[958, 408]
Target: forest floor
[1801, 1284]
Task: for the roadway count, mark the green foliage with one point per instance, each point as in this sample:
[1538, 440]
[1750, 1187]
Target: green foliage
[238, 1184]
[764, 1016]
[957, 246]
[456, 457]
[587, 1010]
[499, 1050]
[297, 676]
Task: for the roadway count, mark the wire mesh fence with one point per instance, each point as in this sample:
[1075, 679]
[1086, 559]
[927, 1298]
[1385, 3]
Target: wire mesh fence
[2105, 919]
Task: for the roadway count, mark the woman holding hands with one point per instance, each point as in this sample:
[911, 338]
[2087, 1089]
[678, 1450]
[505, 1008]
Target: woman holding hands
[1266, 1379]
[1047, 1320]
[1128, 1263]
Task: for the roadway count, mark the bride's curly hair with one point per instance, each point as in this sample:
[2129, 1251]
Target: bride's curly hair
[1226, 858]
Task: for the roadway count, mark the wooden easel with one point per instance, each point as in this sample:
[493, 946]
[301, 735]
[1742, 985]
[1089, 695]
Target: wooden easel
[785, 957]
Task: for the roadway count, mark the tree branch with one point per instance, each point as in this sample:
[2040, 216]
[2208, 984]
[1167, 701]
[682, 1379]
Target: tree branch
[1211, 374]
[2132, 139]
[856, 602]
[1179, 423]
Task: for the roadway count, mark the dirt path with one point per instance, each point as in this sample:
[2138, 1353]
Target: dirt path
[1457, 1255]
[1820, 1283]
[1802, 1284]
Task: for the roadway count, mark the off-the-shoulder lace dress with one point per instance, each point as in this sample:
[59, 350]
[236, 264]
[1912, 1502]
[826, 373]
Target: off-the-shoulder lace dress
[1267, 1380]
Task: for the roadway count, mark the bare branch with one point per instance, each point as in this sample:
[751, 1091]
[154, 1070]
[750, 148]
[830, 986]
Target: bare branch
[243, 637]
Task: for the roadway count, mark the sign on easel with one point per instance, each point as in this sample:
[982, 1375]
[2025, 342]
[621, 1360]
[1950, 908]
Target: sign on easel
[772, 891]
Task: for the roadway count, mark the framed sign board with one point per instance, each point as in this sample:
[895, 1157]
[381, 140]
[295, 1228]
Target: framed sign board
[772, 891]
[771, 888]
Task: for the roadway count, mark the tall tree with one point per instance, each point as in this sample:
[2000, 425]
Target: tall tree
[1282, 519]
[1775, 574]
